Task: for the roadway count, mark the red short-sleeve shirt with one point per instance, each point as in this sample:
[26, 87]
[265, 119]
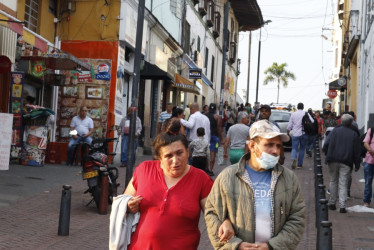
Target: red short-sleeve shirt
[169, 218]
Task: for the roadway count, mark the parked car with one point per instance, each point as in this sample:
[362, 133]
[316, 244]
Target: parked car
[282, 106]
[282, 117]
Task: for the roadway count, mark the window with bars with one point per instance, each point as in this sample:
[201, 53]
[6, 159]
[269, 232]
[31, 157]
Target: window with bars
[31, 14]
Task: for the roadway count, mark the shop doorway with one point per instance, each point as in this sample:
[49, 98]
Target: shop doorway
[5, 67]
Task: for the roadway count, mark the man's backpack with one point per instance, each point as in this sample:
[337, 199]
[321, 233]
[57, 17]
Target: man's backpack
[308, 125]
[362, 137]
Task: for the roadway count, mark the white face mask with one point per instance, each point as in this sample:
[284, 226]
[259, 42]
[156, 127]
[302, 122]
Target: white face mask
[267, 161]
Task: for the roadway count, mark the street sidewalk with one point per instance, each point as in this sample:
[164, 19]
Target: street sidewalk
[30, 202]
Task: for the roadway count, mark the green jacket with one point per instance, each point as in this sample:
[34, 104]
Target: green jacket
[232, 197]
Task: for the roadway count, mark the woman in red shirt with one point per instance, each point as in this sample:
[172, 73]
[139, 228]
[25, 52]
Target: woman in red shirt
[169, 194]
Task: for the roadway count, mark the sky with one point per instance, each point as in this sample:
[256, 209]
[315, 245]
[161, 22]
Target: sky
[294, 37]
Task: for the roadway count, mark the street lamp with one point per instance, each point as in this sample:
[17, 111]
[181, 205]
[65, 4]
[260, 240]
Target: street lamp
[258, 61]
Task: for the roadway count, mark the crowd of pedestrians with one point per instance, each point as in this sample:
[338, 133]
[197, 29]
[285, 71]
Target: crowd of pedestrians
[254, 146]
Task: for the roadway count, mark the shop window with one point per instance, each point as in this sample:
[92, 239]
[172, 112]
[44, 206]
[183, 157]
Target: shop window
[31, 14]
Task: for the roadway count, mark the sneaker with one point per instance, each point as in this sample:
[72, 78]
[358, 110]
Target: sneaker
[299, 167]
[328, 191]
[342, 210]
[123, 165]
[332, 207]
[294, 164]
[366, 204]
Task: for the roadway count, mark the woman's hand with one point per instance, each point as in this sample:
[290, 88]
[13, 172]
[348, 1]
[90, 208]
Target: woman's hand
[249, 246]
[225, 231]
[133, 204]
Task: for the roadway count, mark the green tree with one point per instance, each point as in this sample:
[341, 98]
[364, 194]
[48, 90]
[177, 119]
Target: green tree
[279, 74]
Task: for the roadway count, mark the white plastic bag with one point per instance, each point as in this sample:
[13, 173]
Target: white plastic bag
[221, 160]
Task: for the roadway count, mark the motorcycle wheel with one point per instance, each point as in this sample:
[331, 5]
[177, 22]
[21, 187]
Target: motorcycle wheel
[96, 195]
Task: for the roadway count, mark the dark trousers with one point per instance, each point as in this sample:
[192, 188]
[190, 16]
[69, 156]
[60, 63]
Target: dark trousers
[200, 162]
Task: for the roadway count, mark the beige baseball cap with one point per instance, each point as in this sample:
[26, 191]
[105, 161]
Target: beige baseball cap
[265, 129]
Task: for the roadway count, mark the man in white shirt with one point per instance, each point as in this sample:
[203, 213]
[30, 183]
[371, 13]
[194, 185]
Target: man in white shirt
[299, 138]
[84, 127]
[197, 120]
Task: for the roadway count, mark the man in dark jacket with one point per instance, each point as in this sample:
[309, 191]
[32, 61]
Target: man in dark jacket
[343, 150]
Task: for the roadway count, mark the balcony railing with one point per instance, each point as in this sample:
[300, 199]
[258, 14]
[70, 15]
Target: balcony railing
[217, 24]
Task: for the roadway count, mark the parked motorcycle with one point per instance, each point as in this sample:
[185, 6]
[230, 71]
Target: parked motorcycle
[95, 164]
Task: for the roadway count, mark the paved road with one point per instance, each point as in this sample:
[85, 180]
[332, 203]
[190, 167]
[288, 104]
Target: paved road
[30, 200]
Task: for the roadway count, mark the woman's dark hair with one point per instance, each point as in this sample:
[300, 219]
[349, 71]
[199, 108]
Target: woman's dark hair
[171, 135]
[176, 112]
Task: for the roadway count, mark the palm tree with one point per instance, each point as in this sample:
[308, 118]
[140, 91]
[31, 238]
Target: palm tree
[278, 73]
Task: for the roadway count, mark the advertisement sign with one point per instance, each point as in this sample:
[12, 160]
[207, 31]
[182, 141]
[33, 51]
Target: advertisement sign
[194, 73]
[103, 72]
[6, 121]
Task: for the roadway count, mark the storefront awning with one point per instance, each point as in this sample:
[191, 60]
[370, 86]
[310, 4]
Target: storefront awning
[338, 84]
[151, 71]
[185, 85]
[28, 36]
[60, 61]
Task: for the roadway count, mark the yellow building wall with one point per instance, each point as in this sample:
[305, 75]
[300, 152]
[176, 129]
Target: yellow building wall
[89, 20]
[46, 26]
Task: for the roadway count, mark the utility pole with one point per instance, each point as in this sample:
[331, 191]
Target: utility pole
[258, 65]
[258, 61]
[224, 52]
[249, 62]
[135, 90]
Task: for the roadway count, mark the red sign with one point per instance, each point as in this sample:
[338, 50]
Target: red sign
[332, 94]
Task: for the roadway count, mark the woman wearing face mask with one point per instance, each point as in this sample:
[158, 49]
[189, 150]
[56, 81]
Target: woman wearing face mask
[262, 198]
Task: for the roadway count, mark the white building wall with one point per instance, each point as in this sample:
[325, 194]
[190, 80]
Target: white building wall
[365, 103]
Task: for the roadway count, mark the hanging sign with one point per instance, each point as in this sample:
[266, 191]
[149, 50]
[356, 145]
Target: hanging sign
[194, 73]
[332, 94]
[38, 68]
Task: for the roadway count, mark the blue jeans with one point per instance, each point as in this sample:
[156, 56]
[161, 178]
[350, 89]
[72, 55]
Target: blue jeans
[125, 149]
[296, 141]
[369, 173]
[311, 142]
[73, 144]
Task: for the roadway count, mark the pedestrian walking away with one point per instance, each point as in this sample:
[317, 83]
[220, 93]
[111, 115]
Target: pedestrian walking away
[199, 149]
[342, 148]
[262, 199]
[215, 134]
[236, 138]
[124, 131]
[299, 138]
[312, 133]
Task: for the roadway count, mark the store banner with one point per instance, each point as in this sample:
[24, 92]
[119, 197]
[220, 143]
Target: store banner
[6, 121]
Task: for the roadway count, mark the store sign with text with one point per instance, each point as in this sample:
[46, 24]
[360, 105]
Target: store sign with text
[194, 74]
